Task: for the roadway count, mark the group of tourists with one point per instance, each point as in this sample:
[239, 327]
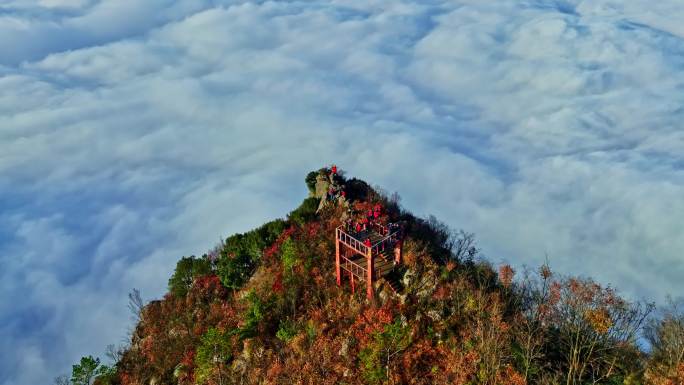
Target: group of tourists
[360, 228]
[367, 222]
[335, 191]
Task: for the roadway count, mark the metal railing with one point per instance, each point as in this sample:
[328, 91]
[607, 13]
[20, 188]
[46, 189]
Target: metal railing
[354, 268]
[351, 242]
[379, 228]
[385, 243]
[388, 241]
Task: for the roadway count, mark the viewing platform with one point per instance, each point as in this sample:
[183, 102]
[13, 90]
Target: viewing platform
[367, 255]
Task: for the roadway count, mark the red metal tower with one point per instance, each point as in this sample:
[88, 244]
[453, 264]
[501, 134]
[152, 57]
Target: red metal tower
[366, 263]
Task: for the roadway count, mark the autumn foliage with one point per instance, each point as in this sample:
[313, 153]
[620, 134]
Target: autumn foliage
[263, 308]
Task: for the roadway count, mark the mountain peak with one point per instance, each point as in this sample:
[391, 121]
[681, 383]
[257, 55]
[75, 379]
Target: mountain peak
[352, 288]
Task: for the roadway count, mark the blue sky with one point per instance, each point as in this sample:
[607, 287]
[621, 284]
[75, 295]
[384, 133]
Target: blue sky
[133, 133]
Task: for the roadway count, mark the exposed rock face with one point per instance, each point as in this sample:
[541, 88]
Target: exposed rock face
[322, 186]
[428, 284]
[241, 363]
[384, 294]
[344, 350]
[434, 315]
[408, 277]
[424, 284]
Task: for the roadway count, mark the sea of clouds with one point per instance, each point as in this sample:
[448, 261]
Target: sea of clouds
[135, 132]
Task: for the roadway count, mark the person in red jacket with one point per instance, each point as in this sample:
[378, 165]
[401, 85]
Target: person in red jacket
[333, 169]
[367, 242]
[377, 210]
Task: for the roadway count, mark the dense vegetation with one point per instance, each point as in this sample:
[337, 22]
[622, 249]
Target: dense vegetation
[263, 308]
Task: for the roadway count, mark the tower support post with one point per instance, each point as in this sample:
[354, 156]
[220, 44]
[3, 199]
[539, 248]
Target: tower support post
[351, 276]
[369, 278]
[337, 258]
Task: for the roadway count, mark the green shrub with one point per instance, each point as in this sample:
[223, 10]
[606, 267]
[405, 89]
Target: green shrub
[187, 269]
[311, 181]
[242, 252]
[289, 254]
[254, 315]
[305, 212]
[107, 376]
[286, 330]
[271, 230]
[88, 369]
[357, 189]
[214, 351]
[310, 331]
[376, 359]
[372, 369]
[235, 270]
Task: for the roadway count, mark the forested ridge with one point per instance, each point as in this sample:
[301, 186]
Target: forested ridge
[264, 307]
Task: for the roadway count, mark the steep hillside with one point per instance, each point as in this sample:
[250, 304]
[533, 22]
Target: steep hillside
[265, 307]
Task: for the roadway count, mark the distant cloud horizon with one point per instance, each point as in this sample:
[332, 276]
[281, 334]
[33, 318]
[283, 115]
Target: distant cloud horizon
[134, 133]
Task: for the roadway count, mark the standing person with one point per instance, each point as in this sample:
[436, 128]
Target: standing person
[367, 242]
[333, 170]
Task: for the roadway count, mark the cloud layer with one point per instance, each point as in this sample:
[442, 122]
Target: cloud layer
[132, 133]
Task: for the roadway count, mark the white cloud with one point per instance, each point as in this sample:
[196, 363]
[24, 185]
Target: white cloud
[132, 133]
